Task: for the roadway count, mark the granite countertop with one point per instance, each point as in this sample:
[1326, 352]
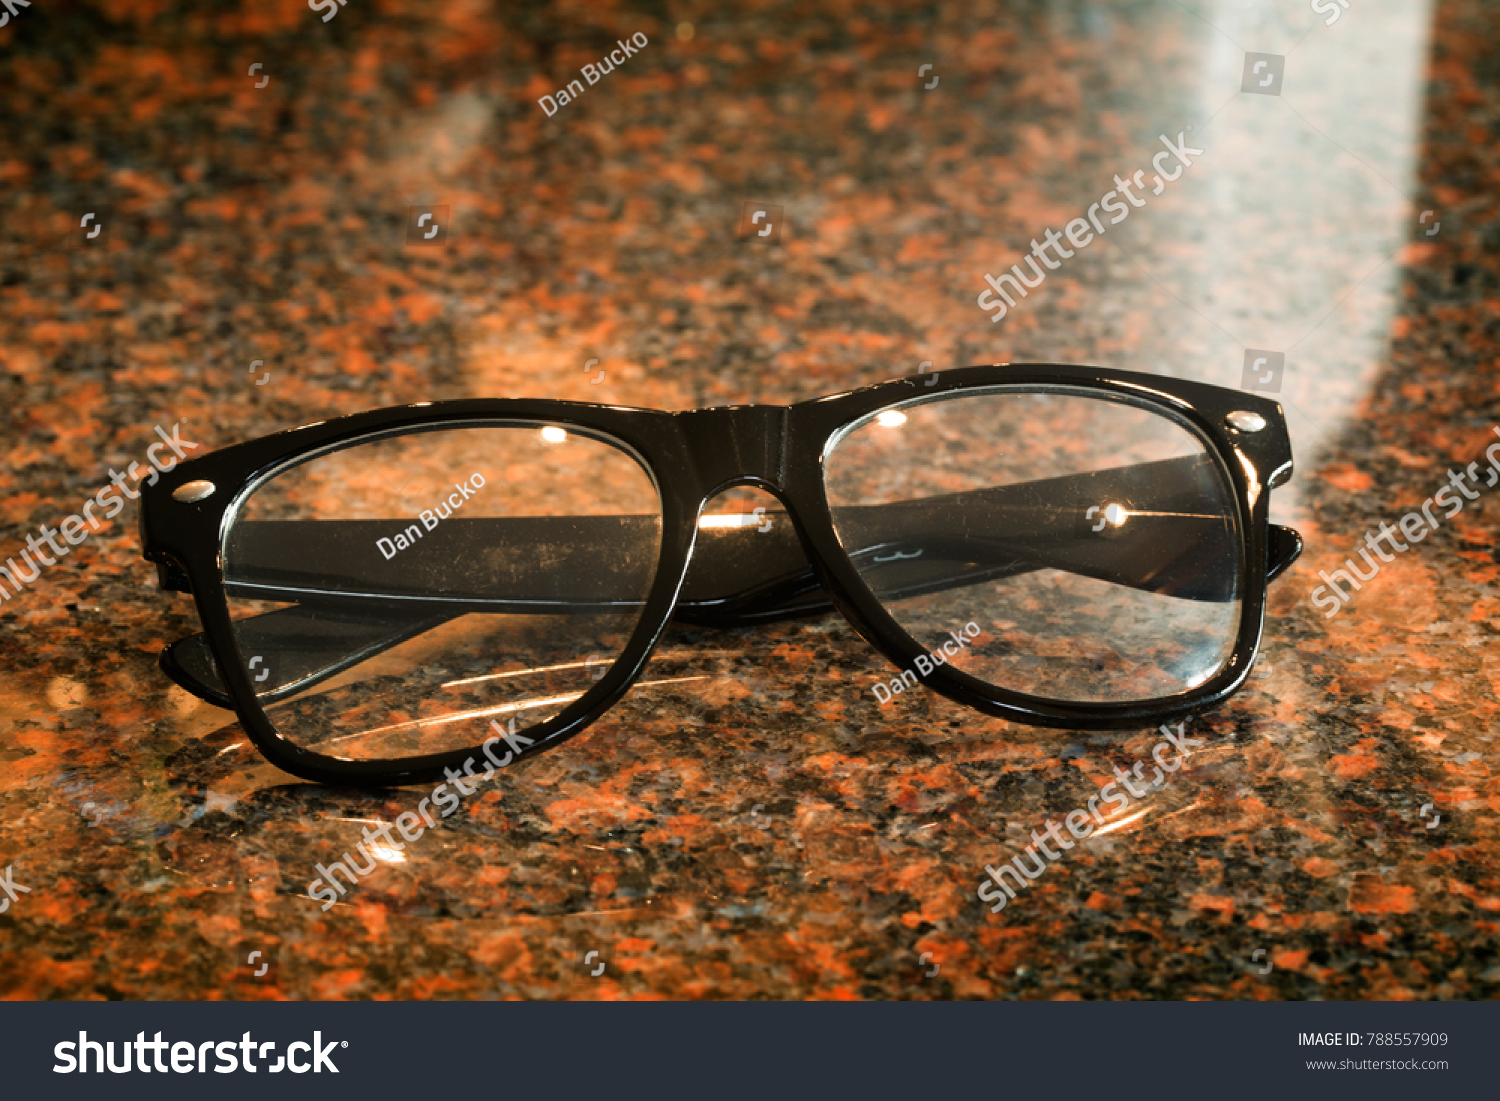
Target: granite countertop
[759, 827]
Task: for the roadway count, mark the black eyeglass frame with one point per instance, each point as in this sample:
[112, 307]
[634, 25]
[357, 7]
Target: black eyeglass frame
[692, 457]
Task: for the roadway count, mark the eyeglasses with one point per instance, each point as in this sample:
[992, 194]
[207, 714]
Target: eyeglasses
[383, 593]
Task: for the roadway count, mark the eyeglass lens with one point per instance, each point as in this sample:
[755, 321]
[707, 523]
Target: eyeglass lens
[487, 573]
[1054, 544]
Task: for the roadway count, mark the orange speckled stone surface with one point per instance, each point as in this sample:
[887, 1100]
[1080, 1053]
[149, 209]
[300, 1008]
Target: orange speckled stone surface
[759, 827]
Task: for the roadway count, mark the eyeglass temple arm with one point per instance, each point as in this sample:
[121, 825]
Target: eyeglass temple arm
[739, 575]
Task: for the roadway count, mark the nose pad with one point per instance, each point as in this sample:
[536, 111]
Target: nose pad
[748, 565]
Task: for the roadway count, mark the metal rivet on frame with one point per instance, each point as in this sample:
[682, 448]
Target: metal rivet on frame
[1246, 421]
[189, 492]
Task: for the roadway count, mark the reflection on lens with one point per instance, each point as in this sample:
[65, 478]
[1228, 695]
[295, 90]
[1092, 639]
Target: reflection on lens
[414, 594]
[1094, 542]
